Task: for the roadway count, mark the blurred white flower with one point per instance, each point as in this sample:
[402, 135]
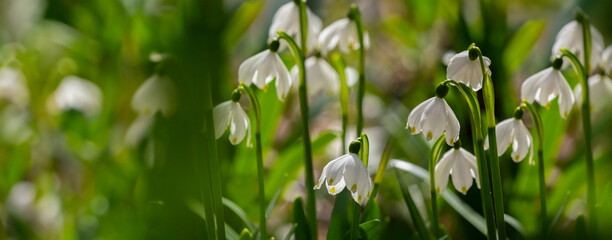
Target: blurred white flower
[230, 114]
[347, 171]
[570, 37]
[321, 76]
[14, 124]
[513, 132]
[13, 87]
[447, 57]
[74, 93]
[264, 67]
[547, 84]
[342, 33]
[465, 67]
[139, 129]
[156, 94]
[287, 19]
[600, 90]
[352, 75]
[434, 117]
[606, 60]
[459, 163]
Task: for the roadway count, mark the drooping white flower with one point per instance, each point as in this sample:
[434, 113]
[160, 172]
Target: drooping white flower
[459, 163]
[347, 171]
[342, 33]
[13, 87]
[570, 37]
[74, 93]
[139, 129]
[547, 84]
[230, 114]
[156, 94]
[465, 67]
[264, 67]
[513, 132]
[600, 91]
[287, 19]
[434, 117]
[321, 76]
[606, 60]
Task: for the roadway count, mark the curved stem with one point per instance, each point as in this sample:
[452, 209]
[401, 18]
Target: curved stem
[361, 91]
[436, 150]
[541, 177]
[485, 193]
[489, 100]
[309, 179]
[260, 166]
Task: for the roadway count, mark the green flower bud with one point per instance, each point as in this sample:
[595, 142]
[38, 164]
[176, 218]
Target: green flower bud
[557, 63]
[473, 53]
[236, 95]
[274, 45]
[457, 144]
[518, 113]
[441, 90]
[354, 147]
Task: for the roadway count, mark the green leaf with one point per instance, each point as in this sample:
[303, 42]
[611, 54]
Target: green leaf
[371, 230]
[521, 43]
[580, 228]
[240, 21]
[238, 212]
[299, 218]
[371, 211]
[419, 224]
[338, 224]
[275, 199]
[245, 235]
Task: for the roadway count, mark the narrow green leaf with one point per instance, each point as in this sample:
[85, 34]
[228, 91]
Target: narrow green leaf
[371, 230]
[291, 232]
[339, 224]
[417, 220]
[580, 228]
[559, 212]
[239, 213]
[240, 21]
[299, 218]
[521, 43]
[275, 199]
[371, 211]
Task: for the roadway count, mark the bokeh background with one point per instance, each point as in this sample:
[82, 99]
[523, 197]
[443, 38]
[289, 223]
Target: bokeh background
[68, 173]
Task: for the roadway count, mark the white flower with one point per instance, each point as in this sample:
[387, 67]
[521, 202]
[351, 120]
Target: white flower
[342, 33]
[570, 38]
[459, 163]
[139, 129]
[321, 76]
[606, 60]
[463, 69]
[600, 90]
[287, 19]
[13, 87]
[513, 132]
[156, 94]
[433, 117]
[74, 93]
[352, 76]
[544, 86]
[347, 171]
[264, 67]
[230, 114]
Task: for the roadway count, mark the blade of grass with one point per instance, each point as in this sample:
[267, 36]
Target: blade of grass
[417, 220]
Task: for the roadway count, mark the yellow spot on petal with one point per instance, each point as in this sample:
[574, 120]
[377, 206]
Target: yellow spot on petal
[429, 136]
[438, 190]
[565, 114]
[547, 106]
[331, 181]
[265, 89]
[332, 190]
[234, 140]
[283, 96]
[464, 190]
[354, 187]
[368, 195]
[317, 184]
[412, 130]
[359, 198]
[452, 141]
[516, 157]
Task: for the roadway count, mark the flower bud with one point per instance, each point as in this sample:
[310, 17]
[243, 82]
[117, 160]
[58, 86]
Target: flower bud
[518, 113]
[557, 63]
[441, 90]
[473, 53]
[236, 95]
[354, 147]
[274, 45]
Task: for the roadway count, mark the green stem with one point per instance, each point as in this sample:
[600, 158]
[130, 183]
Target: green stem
[303, 97]
[213, 167]
[260, 166]
[436, 150]
[542, 178]
[489, 100]
[475, 117]
[340, 66]
[364, 154]
[361, 93]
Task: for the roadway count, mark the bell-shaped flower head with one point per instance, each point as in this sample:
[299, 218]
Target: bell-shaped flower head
[156, 94]
[465, 67]
[570, 37]
[321, 76]
[74, 93]
[347, 171]
[230, 114]
[547, 84]
[343, 34]
[434, 117]
[13, 87]
[513, 132]
[264, 67]
[600, 91]
[287, 19]
[459, 163]
[606, 60]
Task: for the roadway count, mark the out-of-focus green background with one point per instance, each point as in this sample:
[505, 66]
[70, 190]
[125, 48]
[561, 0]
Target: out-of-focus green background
[71, 175]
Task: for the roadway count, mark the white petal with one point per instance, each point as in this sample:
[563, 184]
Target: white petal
[471, 160]
[139, 129]
[247, 69]
[414, 118]
[329, 37]
[222, 114]
[81, 95]
[335, 175]
[156, 94]
[566, 97]
[435, 119]
[352, 76]
[442, 171]
[452, 126]
[283, 79]
[461, 174]
[504, 132]
[239, 124]
[522, 141]
[352, 172]
[606, 61]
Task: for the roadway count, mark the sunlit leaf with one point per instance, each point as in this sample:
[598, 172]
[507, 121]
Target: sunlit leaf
[521, 43]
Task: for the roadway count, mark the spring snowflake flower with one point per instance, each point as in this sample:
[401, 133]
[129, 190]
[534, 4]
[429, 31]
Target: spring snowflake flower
[264, 67]
[342, 33]
[13, 87]
[434, 117]
[547, 84]
[465, 67]
[606, 61]
[513, 133]
[600, 90]
[459, 163]
[230, 114]
[287, 19]
[321, 76]
[74, 93]
[570, 37]
[156, 94]
[347, 171]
